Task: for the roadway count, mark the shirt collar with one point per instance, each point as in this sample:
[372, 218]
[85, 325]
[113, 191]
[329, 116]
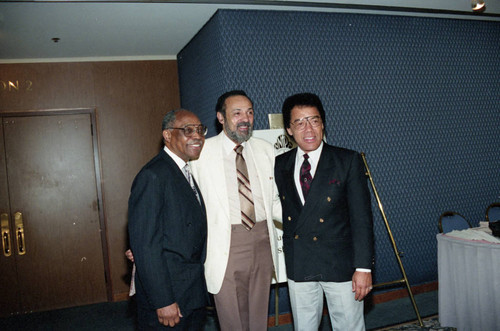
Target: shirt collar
[180, 162]
[314, 155]
[228, 145]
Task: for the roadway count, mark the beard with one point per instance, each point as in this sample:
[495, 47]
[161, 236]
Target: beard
[238, 137]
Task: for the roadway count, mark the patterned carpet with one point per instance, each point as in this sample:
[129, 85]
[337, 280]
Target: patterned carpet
[430, 324]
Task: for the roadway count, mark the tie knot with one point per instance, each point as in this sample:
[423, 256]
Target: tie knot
[238, 149]
[306, 156]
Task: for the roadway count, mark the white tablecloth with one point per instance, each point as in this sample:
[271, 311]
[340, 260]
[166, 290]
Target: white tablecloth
[469, 283]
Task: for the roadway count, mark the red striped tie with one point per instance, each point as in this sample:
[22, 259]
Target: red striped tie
[245, 192]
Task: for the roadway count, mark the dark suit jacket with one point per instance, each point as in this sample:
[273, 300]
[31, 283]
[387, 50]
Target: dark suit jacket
[168, 231]
[332, 233]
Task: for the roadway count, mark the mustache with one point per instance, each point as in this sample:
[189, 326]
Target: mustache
[244, 124]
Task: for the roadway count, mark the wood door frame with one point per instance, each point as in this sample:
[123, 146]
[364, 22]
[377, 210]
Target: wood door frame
[97, 169]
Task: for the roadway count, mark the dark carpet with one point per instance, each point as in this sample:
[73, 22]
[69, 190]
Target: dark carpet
[120, 316]
[429, 324]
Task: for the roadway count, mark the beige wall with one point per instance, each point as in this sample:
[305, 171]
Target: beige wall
[130, 99]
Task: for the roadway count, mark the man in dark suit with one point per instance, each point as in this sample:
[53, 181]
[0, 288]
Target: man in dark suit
[327, 221]
[168, 229]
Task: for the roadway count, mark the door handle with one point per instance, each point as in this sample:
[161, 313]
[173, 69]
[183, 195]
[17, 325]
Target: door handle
[4, 220]
[18, 221]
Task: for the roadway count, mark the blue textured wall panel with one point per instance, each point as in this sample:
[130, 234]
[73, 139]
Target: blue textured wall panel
[420, 96]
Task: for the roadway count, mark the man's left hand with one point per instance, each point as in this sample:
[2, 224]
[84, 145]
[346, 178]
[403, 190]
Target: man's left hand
[361, 284]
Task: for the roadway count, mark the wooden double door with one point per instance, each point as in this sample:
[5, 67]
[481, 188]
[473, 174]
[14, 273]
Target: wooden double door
[52, 242]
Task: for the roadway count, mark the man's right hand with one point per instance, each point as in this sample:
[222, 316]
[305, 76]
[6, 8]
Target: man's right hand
[169, 315]
[129, 255]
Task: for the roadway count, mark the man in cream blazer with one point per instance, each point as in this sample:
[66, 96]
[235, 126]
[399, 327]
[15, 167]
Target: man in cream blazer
[240, 262]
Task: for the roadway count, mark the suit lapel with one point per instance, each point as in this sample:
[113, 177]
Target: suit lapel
[288, 172]
[217, 178]
[210, 175]
[180, 180]
[291, 183]
[318, 185]
[320, 180]
[258, 160]
[202, 202]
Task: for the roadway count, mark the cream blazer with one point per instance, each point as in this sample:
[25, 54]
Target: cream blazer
[208, 171]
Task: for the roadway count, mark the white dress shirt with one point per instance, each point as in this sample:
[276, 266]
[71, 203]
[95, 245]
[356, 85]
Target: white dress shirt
[313, 161]
[180, 162]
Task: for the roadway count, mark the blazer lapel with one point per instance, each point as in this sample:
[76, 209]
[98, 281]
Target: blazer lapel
[288, 172]
[218, 177]
[181, 181]
[202, 202]
[318, 185]
[291, 183]
[262, 172]
[212, 177]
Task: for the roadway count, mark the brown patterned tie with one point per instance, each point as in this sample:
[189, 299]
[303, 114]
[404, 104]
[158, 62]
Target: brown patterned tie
[245, 192]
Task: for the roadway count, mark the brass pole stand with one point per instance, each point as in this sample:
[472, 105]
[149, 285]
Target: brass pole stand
[396, 252]
[276, 305]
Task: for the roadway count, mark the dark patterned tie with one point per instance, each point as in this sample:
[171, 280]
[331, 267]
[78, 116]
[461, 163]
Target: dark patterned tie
[305, 176]
[245, 192]
[189, 177]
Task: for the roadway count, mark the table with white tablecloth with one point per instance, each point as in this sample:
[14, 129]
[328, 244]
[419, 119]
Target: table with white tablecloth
[469, 281]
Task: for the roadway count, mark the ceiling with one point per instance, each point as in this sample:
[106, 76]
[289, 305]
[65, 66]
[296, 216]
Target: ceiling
[156, 29]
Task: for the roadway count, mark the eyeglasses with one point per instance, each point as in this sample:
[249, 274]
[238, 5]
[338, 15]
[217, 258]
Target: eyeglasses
[189, 130]
[300, 124]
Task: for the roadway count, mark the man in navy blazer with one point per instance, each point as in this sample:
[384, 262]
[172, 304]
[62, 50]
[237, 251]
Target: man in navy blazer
[327, 221]
[168, 229]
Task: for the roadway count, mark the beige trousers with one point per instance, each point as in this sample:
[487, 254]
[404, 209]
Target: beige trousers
[242, 303]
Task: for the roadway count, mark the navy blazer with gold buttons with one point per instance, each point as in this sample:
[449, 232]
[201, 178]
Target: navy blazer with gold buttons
[331, 235]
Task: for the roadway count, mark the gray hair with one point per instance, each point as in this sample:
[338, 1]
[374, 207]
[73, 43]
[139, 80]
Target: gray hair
[169, 118]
